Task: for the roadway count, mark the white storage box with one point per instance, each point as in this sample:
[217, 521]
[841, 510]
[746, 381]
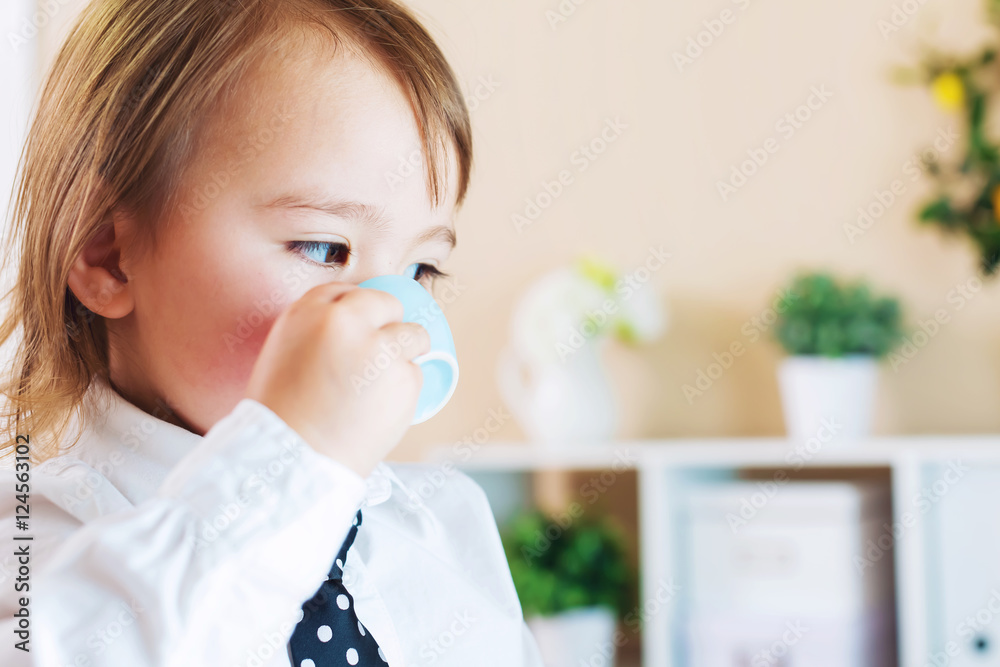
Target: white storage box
[740, 640]
[803, 569]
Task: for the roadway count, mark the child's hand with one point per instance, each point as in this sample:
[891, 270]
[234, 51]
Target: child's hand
[336, 367]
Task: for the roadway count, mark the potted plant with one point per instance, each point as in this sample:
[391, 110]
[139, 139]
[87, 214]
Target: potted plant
[835, 333]
[966, 200]
[574, 583]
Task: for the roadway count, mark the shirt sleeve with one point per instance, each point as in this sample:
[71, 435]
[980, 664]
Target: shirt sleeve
[211, 570]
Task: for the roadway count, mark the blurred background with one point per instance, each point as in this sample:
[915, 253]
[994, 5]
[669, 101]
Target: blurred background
[743, 180]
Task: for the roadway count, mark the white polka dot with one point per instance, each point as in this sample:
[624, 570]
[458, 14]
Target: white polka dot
[381, 655]
[302, 614]
[352, 656]
[361, 629]
[340, 564]
[324, 633]
[307, 663]
[343, 602]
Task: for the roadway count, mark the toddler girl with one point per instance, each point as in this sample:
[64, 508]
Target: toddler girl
[197, 474]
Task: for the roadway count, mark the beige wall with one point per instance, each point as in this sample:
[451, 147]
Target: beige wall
[656, 185]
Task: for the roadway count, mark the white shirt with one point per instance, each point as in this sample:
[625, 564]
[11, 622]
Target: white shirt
[153, 545]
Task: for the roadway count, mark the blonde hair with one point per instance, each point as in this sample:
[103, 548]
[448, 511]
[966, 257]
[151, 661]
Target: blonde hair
[113, 127]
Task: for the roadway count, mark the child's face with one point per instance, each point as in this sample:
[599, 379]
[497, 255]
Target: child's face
[301, 137]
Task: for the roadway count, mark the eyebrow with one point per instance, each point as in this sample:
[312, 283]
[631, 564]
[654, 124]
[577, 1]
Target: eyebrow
[372, 216]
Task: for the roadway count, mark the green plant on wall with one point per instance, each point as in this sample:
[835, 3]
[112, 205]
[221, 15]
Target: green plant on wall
[820, 315]
[558, 568]
[967, 197]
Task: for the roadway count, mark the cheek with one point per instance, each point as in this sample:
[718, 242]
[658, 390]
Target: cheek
[213, 311]
[237, 323]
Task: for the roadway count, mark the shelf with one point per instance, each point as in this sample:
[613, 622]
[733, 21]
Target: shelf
[909, 465]
[723, 453]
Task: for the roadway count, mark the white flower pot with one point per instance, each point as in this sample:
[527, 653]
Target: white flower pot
[575, 637]
[828, 400]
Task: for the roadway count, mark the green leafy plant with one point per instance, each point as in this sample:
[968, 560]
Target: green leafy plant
[967, 197]
[556, 569]
[821, 316]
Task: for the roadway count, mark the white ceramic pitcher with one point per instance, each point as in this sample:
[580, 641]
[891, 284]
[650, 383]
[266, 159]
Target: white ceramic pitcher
[559, 403]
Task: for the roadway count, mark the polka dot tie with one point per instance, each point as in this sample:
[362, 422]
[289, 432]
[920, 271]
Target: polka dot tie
[329, 633]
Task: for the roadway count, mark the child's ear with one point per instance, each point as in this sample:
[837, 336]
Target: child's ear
[96, 277]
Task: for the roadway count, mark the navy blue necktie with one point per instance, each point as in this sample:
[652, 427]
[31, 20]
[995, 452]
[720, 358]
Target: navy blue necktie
[330, 634]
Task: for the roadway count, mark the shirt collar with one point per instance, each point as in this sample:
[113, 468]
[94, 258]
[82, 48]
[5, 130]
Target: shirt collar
[135, 450]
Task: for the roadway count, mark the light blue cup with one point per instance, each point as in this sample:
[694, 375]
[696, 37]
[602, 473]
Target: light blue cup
[440, 365]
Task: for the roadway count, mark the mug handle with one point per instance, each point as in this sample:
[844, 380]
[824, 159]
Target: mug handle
[437, 355]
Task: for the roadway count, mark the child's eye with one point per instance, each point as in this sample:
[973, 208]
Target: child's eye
[419, 271]
[323, 252]
[327, 252]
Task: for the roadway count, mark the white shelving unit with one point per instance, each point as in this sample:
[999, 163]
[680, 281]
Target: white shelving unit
[664, 466]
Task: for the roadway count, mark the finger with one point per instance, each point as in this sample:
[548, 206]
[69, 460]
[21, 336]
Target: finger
[411, 337]
[328, 291]
[373, 306]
